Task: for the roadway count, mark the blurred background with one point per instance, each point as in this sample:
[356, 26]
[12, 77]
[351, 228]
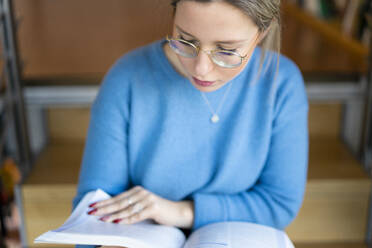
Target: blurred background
[54, 54]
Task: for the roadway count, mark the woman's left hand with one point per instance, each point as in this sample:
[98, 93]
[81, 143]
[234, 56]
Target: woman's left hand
[138, 204]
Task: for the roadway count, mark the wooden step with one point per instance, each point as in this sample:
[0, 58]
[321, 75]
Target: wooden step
[331, 245]
[334, 210]
[324, 121]
[336, 202]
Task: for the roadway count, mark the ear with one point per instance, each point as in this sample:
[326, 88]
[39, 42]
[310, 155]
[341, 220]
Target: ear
[263, 34]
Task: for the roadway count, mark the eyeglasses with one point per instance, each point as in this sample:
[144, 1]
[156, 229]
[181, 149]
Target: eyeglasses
[223, 58]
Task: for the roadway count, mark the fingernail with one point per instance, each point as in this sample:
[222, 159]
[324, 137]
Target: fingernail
[92, 211]
[117, 221]
[104, 218]
[92, 205]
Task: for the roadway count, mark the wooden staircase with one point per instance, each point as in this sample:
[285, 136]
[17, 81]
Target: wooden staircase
[335, 209]
[334, 212]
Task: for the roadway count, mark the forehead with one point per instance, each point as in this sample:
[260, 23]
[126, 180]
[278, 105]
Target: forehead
[214, 21]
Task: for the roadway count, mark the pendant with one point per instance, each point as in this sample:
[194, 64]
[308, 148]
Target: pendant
[215, 118]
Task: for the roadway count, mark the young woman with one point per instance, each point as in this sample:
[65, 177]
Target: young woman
[203, 126]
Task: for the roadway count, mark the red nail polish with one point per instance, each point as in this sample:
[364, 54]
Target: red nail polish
[117, 221]
[92, 205]
[92, 211]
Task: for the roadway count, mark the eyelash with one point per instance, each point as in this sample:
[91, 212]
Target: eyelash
[225, 49]
[195, 43]
[191, 41]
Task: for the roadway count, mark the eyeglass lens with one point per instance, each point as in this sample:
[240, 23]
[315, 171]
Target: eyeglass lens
[221, 58]
[183, 48]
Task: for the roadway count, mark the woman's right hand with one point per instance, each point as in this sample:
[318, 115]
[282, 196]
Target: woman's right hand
[138, 204]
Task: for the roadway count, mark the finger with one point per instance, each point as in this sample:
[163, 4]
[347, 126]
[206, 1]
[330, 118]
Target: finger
[142, 215]
[123, 195]
[138, 207]
[130, 210]
[121, 205]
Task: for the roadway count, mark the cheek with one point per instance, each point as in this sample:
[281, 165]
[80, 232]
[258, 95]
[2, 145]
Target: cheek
[186, 63]
[222, 74]
[229, 74]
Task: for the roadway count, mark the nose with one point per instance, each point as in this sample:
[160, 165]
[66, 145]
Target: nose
[203, 64]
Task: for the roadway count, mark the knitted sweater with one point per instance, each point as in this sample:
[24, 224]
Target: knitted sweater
[151, 127]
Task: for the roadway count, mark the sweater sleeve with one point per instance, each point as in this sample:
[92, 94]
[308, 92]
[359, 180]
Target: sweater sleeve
[277, 195]
[104, 164]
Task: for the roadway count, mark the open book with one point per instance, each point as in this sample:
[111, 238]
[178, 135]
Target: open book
[81, 228]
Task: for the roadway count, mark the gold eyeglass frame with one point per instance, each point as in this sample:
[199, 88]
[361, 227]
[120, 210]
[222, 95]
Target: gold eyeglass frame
[209, 53]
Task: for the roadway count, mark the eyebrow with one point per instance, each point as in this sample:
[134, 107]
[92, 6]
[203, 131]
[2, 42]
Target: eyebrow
[219, 42]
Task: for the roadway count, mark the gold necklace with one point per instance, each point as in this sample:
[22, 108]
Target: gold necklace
[215, 117]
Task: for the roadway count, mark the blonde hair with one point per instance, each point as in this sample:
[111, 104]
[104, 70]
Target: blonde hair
[265, 14]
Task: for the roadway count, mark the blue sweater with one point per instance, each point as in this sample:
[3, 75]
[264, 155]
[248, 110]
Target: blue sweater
[150, 127]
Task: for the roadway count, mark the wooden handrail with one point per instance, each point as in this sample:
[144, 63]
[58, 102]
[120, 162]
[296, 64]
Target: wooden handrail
[325, 29]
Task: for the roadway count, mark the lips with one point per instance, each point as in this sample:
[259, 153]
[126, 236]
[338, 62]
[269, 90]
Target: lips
[202, 83]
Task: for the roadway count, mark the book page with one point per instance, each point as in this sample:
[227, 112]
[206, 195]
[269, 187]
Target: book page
[81, 228]
[238, 235]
